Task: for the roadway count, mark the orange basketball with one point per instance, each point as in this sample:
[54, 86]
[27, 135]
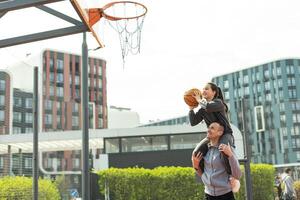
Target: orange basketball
[189, 98]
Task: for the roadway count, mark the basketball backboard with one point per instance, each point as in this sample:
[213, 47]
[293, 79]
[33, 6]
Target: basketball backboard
[81, 7]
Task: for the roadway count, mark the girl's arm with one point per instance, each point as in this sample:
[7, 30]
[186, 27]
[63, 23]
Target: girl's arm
[196, 118]
[215, 106]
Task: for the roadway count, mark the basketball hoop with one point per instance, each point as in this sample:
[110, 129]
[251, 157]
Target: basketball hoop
[125, 17]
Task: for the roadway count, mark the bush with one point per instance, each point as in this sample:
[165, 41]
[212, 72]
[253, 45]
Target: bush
[21, 188]
[175, 183]
[297, 188]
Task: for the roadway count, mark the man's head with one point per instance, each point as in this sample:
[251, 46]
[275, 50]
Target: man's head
[288, 170]
[215, 131]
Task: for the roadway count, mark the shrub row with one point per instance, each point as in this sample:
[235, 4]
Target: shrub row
[21, 188]
[174, 183]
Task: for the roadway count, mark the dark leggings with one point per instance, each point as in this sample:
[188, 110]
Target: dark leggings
[227, 196]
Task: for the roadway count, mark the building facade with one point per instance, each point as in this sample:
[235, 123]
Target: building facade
[59, 75]
[270, 108]
[5, 102]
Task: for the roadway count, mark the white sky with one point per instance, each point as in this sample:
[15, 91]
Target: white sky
[184, 44]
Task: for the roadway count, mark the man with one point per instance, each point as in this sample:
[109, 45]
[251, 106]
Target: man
[215, 177]
[288, 189]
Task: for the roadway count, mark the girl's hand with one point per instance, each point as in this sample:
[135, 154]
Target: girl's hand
[226, 149]
[197, 95]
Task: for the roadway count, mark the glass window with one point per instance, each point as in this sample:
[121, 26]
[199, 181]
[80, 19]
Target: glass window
[267, 85]
[17, 117]
[2, 84]
[185, 141]
[147, 143]
[75, 121]
[60, 64]
[16, 130]
[28, 117]
[28, 163]
[2, 100]
[28, 102]
[2, 114]
[77, 80]
[48, 119]
[28, 130]
[51, 77]
[226, 84]
[51, 91]
[59, 91]
[112, 145]
[75, 107]
[246, 79]
[76, 163]
[17, 101]
[100, 70]
[1, 162]
[100, 122]
[246, 90]
[51, 63]
[60, 78]
[48, 104]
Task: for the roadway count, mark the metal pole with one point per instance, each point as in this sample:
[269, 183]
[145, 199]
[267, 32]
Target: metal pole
[85, 122]
[35, 135]
[248, 185]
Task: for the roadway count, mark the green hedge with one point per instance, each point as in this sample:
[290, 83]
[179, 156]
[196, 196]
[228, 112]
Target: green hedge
[21, 188]
[174, 183]
[297, 188]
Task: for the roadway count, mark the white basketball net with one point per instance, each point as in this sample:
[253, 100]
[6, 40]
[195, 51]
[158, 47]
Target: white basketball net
[129, 29]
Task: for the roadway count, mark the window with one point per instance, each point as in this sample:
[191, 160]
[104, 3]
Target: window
[1, 162]
[75, 107]
[100, 70]
[246, 91]
[28, 103]
[259, 118]
[226, 84]
[59, 91]
[76, 163]
[2, 100]
[17, 130]
[267, 85]
[28, 130]
[75, 121]
[60, 78]
[60, 64]
[51, 63]
[17, 117]
[298, 156]
[282, 118]
[186, 141]
[77, 80]
[2, 115]
[291, 81]
[17, 101]
[292, 93]
[28, 163]
[28, 117]
[51, 91]
[147, 143]
[246, 79]
[2, 84]
[48, 104]
[48, 119]
[112, 145]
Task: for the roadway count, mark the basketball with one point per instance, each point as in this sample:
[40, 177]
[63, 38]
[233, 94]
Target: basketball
[189, 98]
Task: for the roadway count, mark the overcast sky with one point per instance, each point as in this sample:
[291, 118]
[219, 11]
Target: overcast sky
[184, 44]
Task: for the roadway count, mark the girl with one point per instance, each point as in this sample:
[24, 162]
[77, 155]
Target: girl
[213, 109]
